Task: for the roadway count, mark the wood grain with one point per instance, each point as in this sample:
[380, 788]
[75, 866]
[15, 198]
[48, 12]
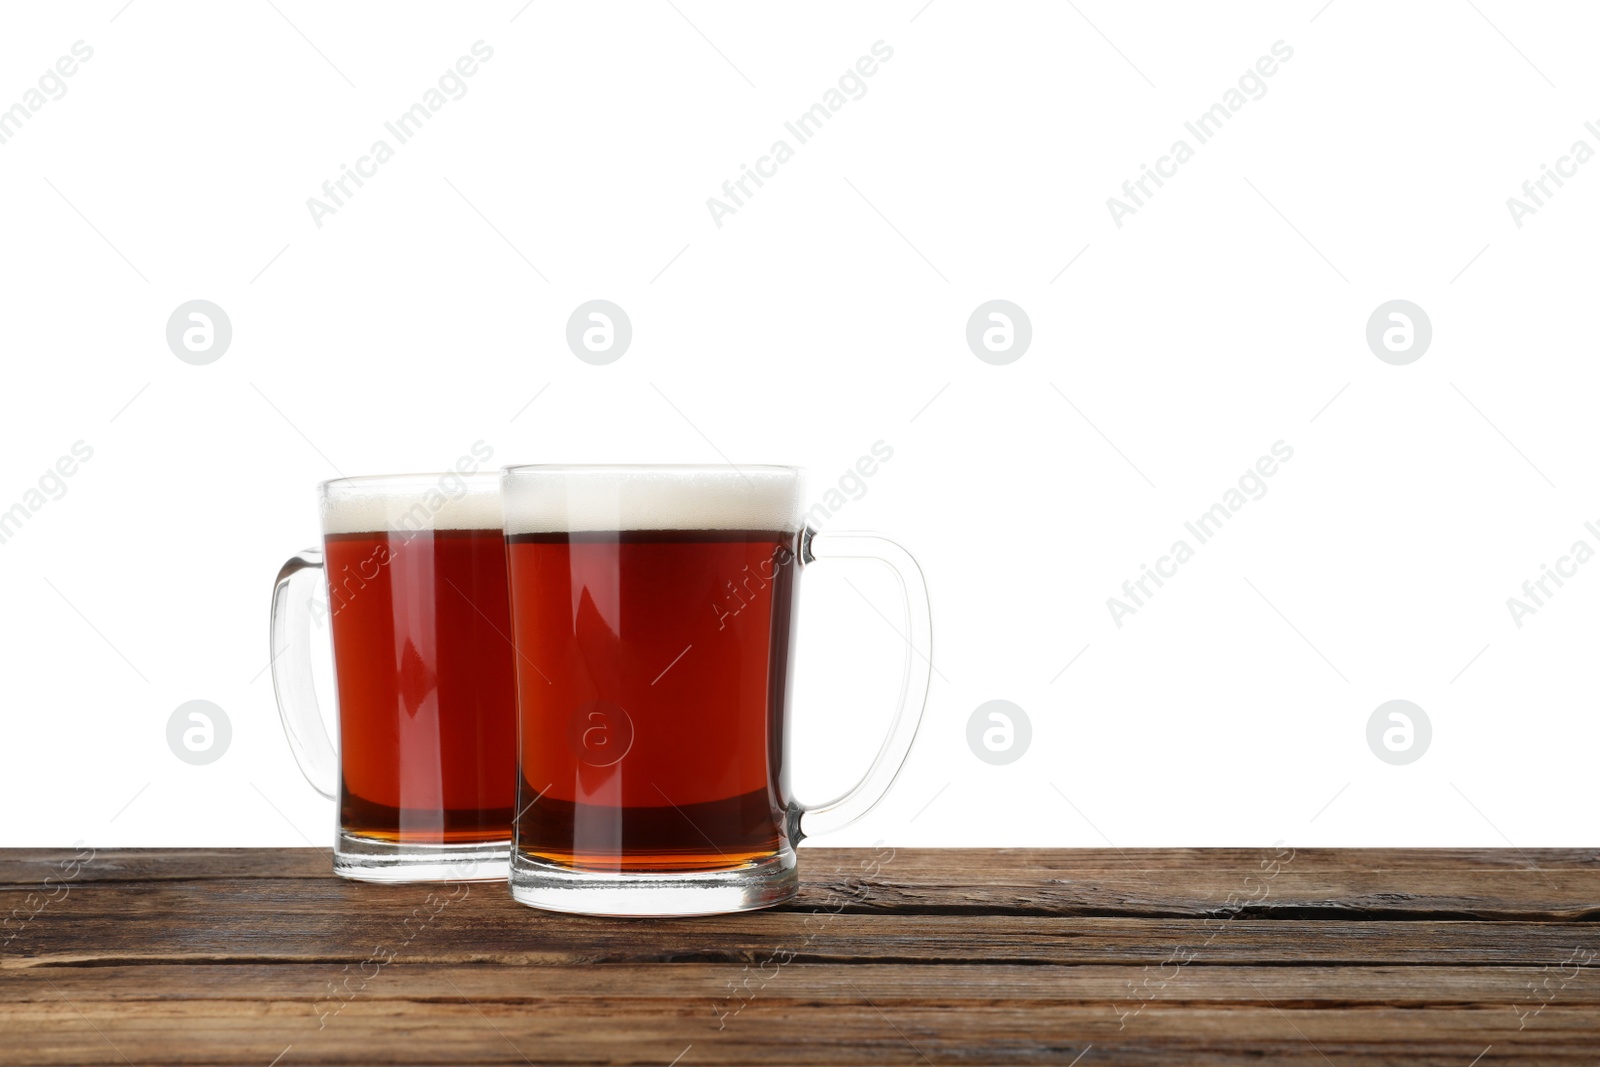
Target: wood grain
[991, 956]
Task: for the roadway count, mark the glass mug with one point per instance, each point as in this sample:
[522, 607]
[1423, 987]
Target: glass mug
[415, 571]
[653, 611]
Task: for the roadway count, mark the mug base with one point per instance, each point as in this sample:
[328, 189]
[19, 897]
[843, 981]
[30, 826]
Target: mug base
[659, 894]
[364, 859]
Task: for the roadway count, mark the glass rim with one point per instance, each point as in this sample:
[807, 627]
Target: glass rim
[650, 468]
[401, 481]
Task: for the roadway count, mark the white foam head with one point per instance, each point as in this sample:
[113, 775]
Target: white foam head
[545, 499]
[412, 502]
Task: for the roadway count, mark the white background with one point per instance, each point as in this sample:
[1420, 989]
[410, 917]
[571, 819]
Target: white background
[827, 314]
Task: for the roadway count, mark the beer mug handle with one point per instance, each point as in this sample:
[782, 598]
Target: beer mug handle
[839, 813]
[291, 671]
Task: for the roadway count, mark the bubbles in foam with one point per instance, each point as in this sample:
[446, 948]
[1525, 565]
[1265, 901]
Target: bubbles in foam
[557, 499]
[412, 502]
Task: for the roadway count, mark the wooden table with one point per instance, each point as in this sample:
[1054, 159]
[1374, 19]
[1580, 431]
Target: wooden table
[1092, 956]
